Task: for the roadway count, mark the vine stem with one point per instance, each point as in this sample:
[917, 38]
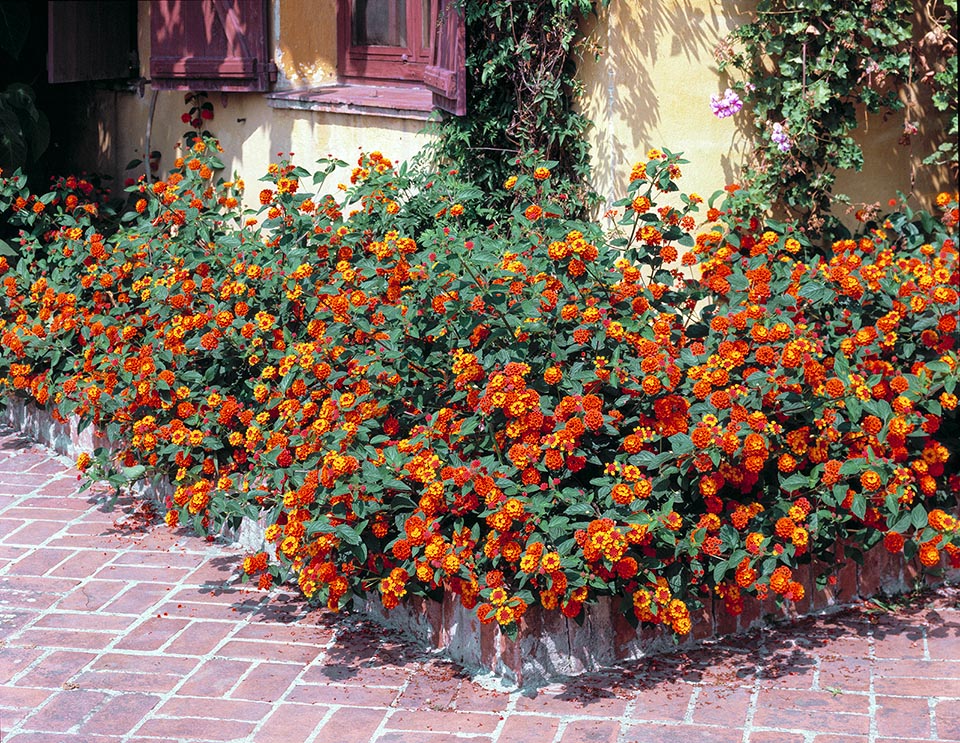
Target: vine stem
[803, 58]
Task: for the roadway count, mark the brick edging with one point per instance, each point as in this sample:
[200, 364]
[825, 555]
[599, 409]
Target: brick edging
[69, 442]
[548, 645]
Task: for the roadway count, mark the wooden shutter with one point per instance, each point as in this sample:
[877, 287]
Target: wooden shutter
[210, 45]
[89, 40]
[447, 76]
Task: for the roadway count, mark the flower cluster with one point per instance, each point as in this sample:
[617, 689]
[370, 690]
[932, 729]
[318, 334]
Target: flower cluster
[780, 137]
[417, 396]
[726, 105]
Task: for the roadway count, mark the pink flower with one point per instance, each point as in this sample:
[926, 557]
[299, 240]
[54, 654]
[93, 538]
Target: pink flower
[726, 106]
[781, 138]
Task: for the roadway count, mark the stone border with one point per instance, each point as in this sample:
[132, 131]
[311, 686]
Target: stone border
[548, 645]
[67, 441]
[37, 423]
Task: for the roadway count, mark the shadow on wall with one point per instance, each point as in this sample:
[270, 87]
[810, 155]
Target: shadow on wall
[111, 132]
[306, 52]
[253, 135]
[893, 156]
[624, 90]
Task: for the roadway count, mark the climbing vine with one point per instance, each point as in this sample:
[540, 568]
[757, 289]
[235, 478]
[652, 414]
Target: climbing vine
[521, 85]
[811, 71]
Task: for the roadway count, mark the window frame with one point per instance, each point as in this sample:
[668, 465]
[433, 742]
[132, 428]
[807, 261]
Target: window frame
[394, 88]
[386, 65]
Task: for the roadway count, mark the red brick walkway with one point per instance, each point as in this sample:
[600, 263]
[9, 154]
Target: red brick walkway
[113, 628]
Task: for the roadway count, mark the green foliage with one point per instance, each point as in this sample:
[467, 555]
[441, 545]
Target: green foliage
[24, 129]
[814, 69]
[418, 396]
[71, 201]
[945, 100]
[520, 89]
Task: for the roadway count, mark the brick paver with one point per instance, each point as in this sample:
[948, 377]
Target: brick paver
[114, 630]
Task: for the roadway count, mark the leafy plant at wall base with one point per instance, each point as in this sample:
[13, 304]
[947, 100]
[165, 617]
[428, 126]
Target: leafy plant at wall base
[937, 55]
[518, 409]
[24, 129]
[810, 70]
[946, 101]
[521, 85]
[35, 219]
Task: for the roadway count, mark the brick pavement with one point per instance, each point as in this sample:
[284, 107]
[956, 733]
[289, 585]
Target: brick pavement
[115, 629]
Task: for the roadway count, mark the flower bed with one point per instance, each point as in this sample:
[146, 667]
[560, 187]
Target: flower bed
[422, 398]
[547, 644]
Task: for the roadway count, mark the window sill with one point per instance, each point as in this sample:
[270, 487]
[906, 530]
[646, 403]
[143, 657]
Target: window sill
[366, 100]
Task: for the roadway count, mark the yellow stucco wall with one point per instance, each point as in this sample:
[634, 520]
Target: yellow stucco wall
[251, 132]
[305, 42]
[650, 87]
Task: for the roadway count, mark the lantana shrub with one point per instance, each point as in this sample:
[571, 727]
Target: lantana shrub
[417, 395]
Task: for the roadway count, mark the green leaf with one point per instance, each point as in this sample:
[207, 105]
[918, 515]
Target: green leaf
[681, 443]
[794, 482]
[902, 524]
[13, 146]
[133, 473]
[853, 408]
[859, 505]
[918, 517]
[720, 570]
[729, 537]
[649, 460]
[580, 509]
[852, 467]
[346, 533]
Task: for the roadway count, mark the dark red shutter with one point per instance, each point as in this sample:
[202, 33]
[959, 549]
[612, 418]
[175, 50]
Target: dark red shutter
[210, 45]
[447, 76]
[89, 40]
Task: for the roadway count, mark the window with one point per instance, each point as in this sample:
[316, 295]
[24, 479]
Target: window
[447, 76]
[384, 40]
[210, 45]
[404, 43]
